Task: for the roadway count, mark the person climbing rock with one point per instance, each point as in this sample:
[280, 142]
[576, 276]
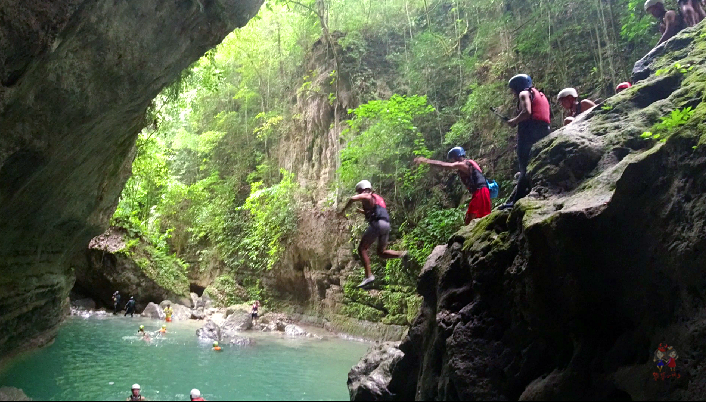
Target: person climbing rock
[471, 176]
[691, 11]
[168, 312]
[375, 212]
[569, 99]
[622, 86]
[670, 22]
[116, 302]
[130, 307]
[216, 347]
[196, 395]
[532, 125]
[255, 308]
[136, 396]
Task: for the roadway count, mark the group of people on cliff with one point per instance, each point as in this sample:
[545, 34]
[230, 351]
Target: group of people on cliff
[533, 124]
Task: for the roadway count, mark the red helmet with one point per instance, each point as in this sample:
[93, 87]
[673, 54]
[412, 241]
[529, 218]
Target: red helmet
[622, 86]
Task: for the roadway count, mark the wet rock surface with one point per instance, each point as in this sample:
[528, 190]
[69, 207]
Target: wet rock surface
[568, 295]
[76, 78]
[370, 378]
[12, 394]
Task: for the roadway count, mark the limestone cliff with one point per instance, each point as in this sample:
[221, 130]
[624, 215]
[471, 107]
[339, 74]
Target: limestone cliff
[568, 295]
[77, 77]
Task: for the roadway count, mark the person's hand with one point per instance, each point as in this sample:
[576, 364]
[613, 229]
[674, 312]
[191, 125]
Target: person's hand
[419, 160]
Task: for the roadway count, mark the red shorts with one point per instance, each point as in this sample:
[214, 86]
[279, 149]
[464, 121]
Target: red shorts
[480, 205]
[169, 319]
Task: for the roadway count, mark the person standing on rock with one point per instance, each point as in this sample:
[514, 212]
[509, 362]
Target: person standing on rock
[116, 302]
[471, 176]
[168, 312]
[569, 99]
[136, 396]
[130, 307]
[255, 308]
[532, 124]
[670, 22]
[375, 212]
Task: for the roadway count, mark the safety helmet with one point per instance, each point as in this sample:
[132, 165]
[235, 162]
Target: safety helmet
[136, 386]
[520, 82]
[132, 297]
[622, 86]
[650, 3]
[455, 153]
[215, 344]
[567, 92]
[363, 185]
[164, 326]
[195, 393]
[142, 327]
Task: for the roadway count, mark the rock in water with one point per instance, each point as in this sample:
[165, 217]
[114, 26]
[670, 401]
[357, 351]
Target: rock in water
[237, 322]
[209, 332]
[294, 331]
[12, 394]
[370, 378]
[239, 341]
[153, 311]
[83, 304]
[198, 314]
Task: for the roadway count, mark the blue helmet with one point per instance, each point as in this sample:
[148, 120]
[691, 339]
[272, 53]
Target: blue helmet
[520, 82]
[456, 152]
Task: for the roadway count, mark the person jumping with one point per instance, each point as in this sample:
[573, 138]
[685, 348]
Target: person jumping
[375, 212]
[472, 177]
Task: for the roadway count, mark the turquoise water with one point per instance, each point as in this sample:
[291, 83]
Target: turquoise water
[99, 358]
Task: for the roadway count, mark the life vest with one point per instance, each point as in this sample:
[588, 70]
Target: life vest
[378, 211]
[136, 398]
[217, 348]
[198, 399]
[540, 106]
[476, 180]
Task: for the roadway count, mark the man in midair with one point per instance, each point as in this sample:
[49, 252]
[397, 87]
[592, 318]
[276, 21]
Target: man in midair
[569, 99]
[471, 176]
[375, 212]
[532, 124]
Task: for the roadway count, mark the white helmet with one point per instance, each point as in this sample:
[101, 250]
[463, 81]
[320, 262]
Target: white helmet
[363, 185]
[195, 393]
[567, 92]
[136, 386]
[650, 3]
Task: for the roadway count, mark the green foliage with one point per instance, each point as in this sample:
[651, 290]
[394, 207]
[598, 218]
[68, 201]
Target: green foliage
[674, 68]
[668, 124]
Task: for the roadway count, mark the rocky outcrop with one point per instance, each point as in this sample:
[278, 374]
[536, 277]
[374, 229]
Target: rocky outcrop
[12, 394]
[209, 332]
[370, 379]
[109, 265]
[76, 78]
[213, 332]
[568, 295]
[237, 322]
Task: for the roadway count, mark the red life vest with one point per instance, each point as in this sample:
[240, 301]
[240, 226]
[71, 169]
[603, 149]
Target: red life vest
[540, 107]
[379, 201]
[198, 399]
[378, 211]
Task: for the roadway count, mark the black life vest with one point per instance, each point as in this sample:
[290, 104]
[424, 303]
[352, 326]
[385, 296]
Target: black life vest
[378, 211]
[476, 180]
[136, 398]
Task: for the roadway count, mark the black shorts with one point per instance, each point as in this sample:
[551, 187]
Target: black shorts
[254, 315]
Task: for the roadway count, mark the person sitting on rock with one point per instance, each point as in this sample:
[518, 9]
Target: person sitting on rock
[168, 312]
[471, 176]
[691, 11]
[196, 395]
[670, 23]
[216, 347]
[130, 307]
[136, 396]
[569, 99]
[375, 212]
[116, 302]
[622, 86]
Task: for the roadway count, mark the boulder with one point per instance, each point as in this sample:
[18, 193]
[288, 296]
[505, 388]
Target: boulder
[194, 300]
[370, 378]
[238, 308]
[153, 311]
[237, 323]
[198, 314]
[181, 313]
[84, 304]
[209, 332]
[12, 394]
[294, 331]
[239, 341]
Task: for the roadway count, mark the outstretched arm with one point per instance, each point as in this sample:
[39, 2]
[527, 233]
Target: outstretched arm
[440, 164]
[355, 198]
[525, 109]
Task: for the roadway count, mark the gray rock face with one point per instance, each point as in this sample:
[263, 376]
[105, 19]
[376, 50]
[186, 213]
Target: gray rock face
[76, 78]
[84, 304]
[153, 311]
[568, 295]
[181, 313]
[237, 322]
[209, 332]
[198, 314]
[370, 378]
[294, 331]
[12, 394]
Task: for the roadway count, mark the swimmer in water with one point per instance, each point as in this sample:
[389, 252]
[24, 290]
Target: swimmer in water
[196, 395]
[136, 396]
[163, 330]
[216, 347]
[145, 335]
